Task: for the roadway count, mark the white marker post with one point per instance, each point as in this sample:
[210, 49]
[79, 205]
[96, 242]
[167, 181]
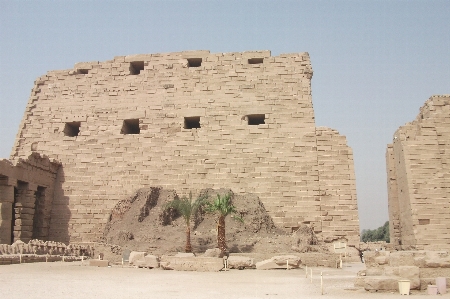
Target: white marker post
[321, 283]
[306, 271]
[311, 275]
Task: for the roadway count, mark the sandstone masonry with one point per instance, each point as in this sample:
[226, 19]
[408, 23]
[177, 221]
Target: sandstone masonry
[418, 168]
[188, 121]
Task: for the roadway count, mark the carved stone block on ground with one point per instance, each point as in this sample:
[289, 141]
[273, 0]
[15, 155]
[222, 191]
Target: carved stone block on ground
[201, 264]
[381, 283]
[279, 262]
[241, 262]
[99, 263]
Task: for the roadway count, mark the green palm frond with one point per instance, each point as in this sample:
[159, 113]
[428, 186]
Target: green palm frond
[186, 206]
[223, 206]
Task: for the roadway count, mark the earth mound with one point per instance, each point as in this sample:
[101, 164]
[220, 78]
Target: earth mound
[141, 222]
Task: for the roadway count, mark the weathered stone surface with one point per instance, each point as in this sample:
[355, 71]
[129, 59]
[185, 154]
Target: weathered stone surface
[215, 252]
[240, 262]
[99, 263]
[185, 254]
[137, 257]
[279, 262]
[421, 268]
[418, 172]
[359, 282]
[381, 283]
[378, 271]
[401, 258]
[201, 264]
[150, 261]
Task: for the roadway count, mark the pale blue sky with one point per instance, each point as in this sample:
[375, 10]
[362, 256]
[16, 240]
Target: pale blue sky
[375, 62]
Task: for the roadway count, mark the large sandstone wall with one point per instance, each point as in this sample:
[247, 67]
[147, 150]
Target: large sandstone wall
[187, 121]
[418, 164]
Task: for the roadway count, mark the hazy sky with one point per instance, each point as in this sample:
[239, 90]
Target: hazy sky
[375, 62]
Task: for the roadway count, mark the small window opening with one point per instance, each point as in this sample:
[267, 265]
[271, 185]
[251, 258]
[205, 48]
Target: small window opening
[194, 62]
[130, 126]
[83, 71]
[72, 129]
[192, 122]
[255, 60]
[256, 119]
[136, 67]
[424, 221]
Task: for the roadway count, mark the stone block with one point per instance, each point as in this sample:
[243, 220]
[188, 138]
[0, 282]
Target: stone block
[136, 257]
[401, 258]
[240, 262]
[150, 261]
[381, 283]
[434, 272]
[279, 262]
[200, 264]
[375, 271]
[185, 254]
[99, 263]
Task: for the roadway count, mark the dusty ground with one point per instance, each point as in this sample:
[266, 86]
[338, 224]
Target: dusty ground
[73, 280]
[141, 223]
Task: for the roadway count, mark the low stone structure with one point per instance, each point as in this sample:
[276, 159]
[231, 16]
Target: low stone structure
[385, 268]
[280, 262]
[418, 164]
[190, 263]
[26, 198]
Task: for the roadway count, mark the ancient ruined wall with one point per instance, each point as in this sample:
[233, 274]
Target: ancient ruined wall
[186, 121]
[339, 211]
[26, 194]
[419, 178]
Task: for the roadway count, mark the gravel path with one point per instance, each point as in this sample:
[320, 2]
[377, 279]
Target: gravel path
[74, 280]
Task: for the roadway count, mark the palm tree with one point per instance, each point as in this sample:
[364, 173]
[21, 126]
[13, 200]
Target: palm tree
[187, 209]
[223, 207]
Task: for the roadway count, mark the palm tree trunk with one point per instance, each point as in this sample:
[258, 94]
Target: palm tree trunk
[221, 235]
[188, 247]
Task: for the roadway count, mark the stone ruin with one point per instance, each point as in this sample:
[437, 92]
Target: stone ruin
[418, 168]
[184, 121]
[384, 269]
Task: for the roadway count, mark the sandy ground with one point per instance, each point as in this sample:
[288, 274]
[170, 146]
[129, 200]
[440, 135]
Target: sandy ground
[74, 280]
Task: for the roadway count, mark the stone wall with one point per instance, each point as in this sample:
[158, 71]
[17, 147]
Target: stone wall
[189, 121]
[26, 194]
[418, 167]
[384, 269]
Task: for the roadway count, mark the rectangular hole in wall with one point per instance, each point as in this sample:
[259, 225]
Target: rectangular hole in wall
[255, 60]
[256, 119]
[83, 71]
[192, 122]
[424, 221]
[194, 62]
[136, 67]
[72, 129]
[130, 126]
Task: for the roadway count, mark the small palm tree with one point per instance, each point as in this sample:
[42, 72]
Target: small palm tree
[223, 207]
[187, 208]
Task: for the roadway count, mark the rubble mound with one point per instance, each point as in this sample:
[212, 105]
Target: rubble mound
[141, 222]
